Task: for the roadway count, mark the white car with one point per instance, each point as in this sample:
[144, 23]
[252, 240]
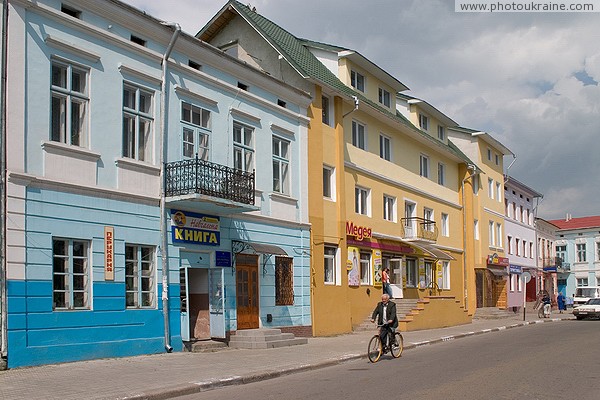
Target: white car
[591, 309]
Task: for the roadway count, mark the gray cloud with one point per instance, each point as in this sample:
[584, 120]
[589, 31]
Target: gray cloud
[530, 79]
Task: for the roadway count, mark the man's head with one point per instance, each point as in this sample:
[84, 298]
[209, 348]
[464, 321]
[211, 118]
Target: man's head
[385, 298]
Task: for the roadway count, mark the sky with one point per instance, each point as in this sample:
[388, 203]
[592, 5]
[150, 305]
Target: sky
[528, 79]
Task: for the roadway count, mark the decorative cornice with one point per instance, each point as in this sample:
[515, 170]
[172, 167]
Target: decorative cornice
[61, 44]
[125, 70]
[181, 91]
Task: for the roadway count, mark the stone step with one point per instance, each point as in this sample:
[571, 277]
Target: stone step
[263, 339]
[271, 344]
[205, 346]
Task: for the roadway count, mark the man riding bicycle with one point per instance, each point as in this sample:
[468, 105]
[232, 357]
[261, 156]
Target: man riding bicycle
[385, 313]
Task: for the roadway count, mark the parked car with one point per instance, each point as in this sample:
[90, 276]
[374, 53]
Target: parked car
[583, 294]
[591, 309]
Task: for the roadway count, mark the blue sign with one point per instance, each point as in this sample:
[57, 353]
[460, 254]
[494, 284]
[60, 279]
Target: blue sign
[515, 269]
[187, 227]
[550, 269]
[223, 258]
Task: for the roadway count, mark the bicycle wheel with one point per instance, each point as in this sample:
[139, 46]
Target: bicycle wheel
[375, 349]
[541, 312]
[397, 345]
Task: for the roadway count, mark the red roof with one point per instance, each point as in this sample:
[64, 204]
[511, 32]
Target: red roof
[577, 223]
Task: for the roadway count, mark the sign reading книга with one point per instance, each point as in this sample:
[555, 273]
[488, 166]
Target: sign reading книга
[195, 228]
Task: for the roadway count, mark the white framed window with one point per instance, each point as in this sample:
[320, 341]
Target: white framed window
[489, 154]
[531, 250]
[441, 174]
[330, 265]
[429, 219]
[476, 229]
[497, 159]
[424, 166]
[428, 272]
[582, 282]
[281, 165]
[499, 192]
[196, 131]
[361, 200]
[140, 276]
[491, 233]
[384, 97]
[70, 274]
[243, 147]
[445, 225]
[359, 135]
[581, 257]
[441, 133]
[423, 122]
[518, 246]
[357, 80]
[499, 234]
[326, 117]
[365, 268]
[385, 147]
[507, 208]
[597, 244]
[476, 185]
[137, 123]
[509, 244]
[513, 282]
[389, 208]
[412, 272]
[69, 106]
[490, 188]
[445, 275]
[329, 182]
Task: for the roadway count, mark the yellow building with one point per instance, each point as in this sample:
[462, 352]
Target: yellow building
[383, 190]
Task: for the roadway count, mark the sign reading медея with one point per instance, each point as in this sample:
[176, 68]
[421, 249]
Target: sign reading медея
[359, 232]
[187, 227]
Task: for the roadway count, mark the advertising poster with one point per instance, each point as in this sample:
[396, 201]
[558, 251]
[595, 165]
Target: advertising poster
[377, 266]
[352, 266]
[422, 279]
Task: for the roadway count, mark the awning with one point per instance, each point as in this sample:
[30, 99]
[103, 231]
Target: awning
[432, 251]
[262, 248]
[498, 271]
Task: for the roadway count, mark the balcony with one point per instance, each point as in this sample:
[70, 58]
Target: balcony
[199, 184]
[553, 262]
[419, 229]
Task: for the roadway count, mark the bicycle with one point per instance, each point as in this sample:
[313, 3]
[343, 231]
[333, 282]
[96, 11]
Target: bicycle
[377, 348]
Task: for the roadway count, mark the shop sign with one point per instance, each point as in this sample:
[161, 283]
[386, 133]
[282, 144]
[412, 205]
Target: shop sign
[494, 259]
[187, 227]
[352, 266]
[515, 269]
[550, 269]
[109, 253]
[359, 232]
[377, 269]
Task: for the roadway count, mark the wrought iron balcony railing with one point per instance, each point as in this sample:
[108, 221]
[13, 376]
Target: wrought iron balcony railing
[195, 176]
[553, 262]
[415, 228]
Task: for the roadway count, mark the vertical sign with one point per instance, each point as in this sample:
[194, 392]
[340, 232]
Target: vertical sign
[352, 265]
[377, 269]
[109, 253]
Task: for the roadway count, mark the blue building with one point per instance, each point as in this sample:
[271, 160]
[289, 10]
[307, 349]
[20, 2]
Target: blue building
[155, 193]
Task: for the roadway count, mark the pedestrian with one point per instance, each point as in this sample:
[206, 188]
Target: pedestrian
[560, 300]
[547, 303]
[385, 280]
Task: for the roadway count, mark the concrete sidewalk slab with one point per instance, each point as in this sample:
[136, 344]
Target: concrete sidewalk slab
[164, 376]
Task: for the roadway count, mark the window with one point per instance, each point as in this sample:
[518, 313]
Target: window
[70, 11]
[441, 174]
[365, 268]
[384, 97]
[385, 147]
[445, 275]
[137, 123]
[489, 154]
[581, 252]
[361, 201]
[441, 133]
[491, 234]
[325, 109]
[281, 103]
[357, 81]
[428, 217]
[476, 185]
[513, 282]
[497, 159]
[499, 192]
[138, 40]
[359, 135]
[328, 183]
[330, 264]
[509, 244]
[597, 251]
[490, 188]
[281, 165]
[499, 234]
[243, 151]
[531, 250]
[70, 274]
[411, 272]
[445, 225]
[70, 102]
[194, 65]
[284, 281]
[196, 129]
[423, 122]
[476, 229]
[582, 282]
[389, 208]
[428, 273]
[242, 86]
[140, 272]
[518, 246]
[424, 166]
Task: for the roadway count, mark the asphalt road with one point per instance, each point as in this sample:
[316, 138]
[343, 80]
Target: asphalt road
[542, 361]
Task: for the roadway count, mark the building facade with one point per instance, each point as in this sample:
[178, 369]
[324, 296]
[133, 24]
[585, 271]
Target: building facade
[520, 203]
[156, 188]
[547, 262]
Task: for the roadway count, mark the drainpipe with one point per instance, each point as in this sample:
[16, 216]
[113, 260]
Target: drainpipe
[3, 295]
[470, 167]
[356, 102]
[163, 216]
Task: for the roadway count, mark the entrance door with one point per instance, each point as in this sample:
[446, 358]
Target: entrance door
[183, 298]
[216, 303]
[247, 291]
[396, 278]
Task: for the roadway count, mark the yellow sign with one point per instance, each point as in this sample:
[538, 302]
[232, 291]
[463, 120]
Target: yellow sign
[377, 269]
[109, 253]
[353, 266]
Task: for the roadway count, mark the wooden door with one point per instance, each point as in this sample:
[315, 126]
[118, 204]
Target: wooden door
[247, 291]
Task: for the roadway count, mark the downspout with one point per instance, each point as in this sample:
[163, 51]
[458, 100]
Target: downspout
[163, 216]
[356, 102]
[470, 167]
[3, 135]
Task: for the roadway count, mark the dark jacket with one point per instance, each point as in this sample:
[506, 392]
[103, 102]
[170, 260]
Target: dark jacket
[390, 313]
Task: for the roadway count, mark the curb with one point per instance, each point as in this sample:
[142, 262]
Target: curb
[202, 386]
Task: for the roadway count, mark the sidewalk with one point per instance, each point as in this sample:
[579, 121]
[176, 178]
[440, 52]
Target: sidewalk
[163, 376]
